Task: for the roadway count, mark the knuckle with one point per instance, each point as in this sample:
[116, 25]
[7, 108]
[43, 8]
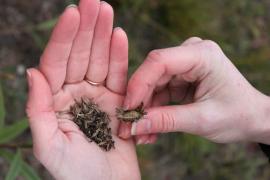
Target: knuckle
[167, 122]
[211, 45]
[194, 38]
[99, 61]
[154, 56]
[155, 60]
[75, 78]
[82, 55]
[211, 50]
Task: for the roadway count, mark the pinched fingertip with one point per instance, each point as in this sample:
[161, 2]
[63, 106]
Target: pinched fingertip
[124, 130]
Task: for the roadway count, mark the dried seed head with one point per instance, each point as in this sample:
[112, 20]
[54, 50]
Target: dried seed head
[93, 122]
[130, 115]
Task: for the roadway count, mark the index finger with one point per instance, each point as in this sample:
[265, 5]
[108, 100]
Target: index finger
[54, 60]
[186, 60]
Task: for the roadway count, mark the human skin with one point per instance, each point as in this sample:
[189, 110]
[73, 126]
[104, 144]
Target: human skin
[83, 45]
[217, 102]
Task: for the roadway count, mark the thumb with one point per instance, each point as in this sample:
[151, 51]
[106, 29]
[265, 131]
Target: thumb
[181, 118]
[39, 109]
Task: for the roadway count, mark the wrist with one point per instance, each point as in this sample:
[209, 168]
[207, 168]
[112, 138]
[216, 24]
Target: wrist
[261, 125]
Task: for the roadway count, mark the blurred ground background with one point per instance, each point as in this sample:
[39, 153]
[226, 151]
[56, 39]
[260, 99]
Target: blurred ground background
[241, 27]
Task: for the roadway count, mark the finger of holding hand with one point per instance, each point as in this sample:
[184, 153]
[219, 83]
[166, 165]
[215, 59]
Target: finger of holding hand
[159, 99]
[192, 62]
[164, 119]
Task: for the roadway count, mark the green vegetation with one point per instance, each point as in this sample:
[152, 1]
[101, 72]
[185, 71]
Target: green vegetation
[7, 134]
[241, 28]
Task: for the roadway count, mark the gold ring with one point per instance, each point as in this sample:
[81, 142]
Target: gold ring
[93, 83]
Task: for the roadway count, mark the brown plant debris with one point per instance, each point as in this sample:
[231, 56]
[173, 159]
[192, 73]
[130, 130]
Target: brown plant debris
[132, 115]
[93, 122]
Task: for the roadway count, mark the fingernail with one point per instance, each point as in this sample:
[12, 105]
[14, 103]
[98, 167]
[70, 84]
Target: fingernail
[133, 129]
[103, 2]
[141, 127]
[117, 28]
[71, 6]
[124, 132]
[121, 133]
[29, 78]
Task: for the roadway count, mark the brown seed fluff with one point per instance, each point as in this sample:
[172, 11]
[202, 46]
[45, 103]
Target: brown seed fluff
[93, 122]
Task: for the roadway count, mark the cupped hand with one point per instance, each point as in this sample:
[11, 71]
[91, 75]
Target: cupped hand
[82, 47]
[214, 100]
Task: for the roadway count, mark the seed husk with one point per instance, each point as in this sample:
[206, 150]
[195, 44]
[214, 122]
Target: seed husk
[131, 115]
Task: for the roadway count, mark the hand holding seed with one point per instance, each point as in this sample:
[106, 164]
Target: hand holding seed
[214, 100]
[83, 48]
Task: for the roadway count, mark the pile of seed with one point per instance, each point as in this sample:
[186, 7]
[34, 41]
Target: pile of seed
[93, 122]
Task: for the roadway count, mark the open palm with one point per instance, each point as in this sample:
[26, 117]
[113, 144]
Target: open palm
[82, 48]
